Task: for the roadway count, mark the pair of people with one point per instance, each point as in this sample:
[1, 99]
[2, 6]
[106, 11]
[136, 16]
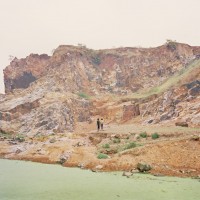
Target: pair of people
[99, 124]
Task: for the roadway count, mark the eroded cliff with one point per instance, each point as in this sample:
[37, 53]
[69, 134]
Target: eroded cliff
[50, 94]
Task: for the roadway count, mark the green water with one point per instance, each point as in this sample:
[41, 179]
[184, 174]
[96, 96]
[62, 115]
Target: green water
[33, 181]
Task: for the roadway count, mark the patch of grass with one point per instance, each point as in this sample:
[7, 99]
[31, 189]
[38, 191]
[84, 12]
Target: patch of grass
[130, 145]
[106, 146]
[102, 156]
[143, 135]
[41, 138]
[6, 135]
[20, 138]
[83, 95]
[117, 141]
[155, 136]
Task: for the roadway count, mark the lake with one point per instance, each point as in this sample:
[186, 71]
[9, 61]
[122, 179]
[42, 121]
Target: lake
[20, 180]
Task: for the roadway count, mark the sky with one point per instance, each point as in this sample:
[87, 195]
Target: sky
[39, 26]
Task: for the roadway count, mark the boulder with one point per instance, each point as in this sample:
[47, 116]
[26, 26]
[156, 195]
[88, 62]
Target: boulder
[195, 138]
[81, 165]
[135, 171]
[79, 144]
[53, 140]
[183, 124]
[99, 167]
[143, 167]
[63, 159]
[127, 174]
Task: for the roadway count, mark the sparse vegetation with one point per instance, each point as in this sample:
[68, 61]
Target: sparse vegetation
[20, 138]
[83, 95]
[5, 135]
[143, 135]
[102, 156]
[41, 138]
[130, 145]
[155, 136]
[171, 44]
[106, 146]
[170, 82]
[117, 140]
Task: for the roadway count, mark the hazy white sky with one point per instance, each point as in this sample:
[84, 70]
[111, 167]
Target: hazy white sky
[38, 26]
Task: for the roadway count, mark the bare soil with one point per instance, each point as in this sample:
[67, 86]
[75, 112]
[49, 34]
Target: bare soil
[175, 153]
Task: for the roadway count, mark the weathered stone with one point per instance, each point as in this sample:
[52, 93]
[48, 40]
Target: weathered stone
[81, 165]
[80, 143]
[195, 137]
[127, 174]
[22, 72]
[135, 171]
[143, 167]
[12, 142]
[95, 140]
[158, 175]
[53, 140]
[183, 124]
[18, 151]
[63, 159]
[130, 111]
[99, 167]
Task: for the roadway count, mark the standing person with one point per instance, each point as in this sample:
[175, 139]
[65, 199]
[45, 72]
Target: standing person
[101, 123]
[98, 124]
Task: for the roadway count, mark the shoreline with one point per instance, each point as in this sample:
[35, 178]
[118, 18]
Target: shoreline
[172, 154]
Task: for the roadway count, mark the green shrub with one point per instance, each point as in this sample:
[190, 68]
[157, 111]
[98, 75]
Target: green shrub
[20, 138]
[83, 95]
[106, 146]
[143, 135]
[96, 60]
[155, 136]
[130, 145]
[171, 45]
[102, 156]
[117, 140]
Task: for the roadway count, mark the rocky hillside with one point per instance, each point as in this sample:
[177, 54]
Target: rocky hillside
[51, 94]
[120, 71]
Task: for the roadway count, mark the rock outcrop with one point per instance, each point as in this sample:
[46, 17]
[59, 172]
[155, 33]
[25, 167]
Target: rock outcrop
[22, 72]
[120, 71]
[130, 111]
[51, 94]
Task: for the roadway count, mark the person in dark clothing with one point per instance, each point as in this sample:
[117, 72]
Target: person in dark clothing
[98, 124]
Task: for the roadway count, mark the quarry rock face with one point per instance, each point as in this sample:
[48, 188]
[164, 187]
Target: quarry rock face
[51, 94]
[21, 72]
[130, 111]
[118, 71]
